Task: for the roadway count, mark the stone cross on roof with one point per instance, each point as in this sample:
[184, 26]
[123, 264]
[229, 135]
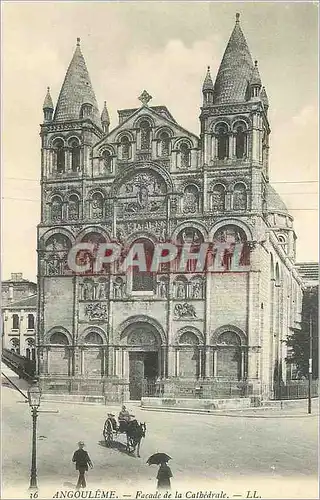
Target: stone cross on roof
[145, 97]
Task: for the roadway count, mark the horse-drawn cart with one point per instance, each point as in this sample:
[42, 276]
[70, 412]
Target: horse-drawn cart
[133, 431]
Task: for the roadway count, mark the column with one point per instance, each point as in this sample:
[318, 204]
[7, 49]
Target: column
[215, 363]
[207, 361]
[125, 364]
[177, 363]
[171, 362]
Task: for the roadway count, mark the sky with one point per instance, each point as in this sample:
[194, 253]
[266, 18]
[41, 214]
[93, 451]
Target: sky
[165, 48]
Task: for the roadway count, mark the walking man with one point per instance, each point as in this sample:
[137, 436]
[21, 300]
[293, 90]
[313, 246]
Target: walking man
[82, 460]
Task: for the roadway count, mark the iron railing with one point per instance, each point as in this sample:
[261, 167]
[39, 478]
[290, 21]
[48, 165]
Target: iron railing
[24, 367]
[296, 389]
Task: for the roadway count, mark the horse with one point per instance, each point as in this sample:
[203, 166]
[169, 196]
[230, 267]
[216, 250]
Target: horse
[135, 432]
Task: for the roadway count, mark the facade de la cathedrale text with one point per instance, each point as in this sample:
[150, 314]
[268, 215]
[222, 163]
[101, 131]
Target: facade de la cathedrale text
[125, 335]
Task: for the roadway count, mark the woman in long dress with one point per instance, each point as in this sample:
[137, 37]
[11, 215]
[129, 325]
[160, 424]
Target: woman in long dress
[163, 476]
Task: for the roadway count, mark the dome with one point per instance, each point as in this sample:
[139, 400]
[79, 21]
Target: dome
[274, 201]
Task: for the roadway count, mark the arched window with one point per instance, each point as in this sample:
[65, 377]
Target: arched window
[15, 321]
[75, 155]
[125, 147]
[223, 141]
[56, 209]
[85, 257]
[185, 155]
[144, 281]
[194, 238]
[15, 346]
[241, 141]
[240, 197]
[145, 134]
[232, 236]
[191, 199]
[107, 160]
[164, 144]
[96, 206]
[218, 197]
[73, 207]
[283, 242]
[30, 322]
[60, 155]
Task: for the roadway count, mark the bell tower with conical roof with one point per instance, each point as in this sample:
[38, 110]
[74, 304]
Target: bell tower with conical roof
[234, 124]
[70, 130]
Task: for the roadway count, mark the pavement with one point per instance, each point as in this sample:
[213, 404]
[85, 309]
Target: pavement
[276, 458]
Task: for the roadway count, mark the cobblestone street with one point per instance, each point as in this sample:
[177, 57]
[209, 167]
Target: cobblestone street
[277, 457]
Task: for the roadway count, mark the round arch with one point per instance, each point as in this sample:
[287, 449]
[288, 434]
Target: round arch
[189, 329]
[54, 232]
[93, 229]
[226, 329]
[57, 330]
[160, 130]
[191, 224]
[96, 330]
[141, 319]
[127, 172]
[230, 222]
[143, 118]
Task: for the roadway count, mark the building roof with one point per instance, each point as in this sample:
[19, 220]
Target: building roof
[235, 70]
[207, 84]
[48, 104]
[309, 272]
[27, 303]
[274, 200]
[76, 90]
[17, 278]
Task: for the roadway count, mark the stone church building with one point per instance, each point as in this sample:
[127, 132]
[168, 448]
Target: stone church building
[131, 334]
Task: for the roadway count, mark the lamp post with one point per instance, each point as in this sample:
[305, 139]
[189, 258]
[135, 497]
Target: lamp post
[34, 396]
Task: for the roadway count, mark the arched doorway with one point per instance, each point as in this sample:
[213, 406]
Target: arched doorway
[142, 344]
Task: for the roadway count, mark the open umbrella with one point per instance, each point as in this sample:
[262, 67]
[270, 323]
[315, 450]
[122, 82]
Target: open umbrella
[158, 458]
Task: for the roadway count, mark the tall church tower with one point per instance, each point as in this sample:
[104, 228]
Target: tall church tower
[235, 128]
[68, 134]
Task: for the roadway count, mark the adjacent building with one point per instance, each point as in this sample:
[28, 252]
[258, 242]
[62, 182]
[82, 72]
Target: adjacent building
[150, 180]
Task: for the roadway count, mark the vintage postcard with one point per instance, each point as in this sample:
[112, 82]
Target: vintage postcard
[159, 250]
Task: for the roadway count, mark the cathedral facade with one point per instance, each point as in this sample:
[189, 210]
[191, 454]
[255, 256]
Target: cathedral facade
[125, 334]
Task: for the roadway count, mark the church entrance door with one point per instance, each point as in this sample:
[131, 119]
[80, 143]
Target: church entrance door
[143, 368]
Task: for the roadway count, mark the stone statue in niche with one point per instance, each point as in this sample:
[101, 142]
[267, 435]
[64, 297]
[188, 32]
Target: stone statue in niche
[97, 206]
[162, 289]
[181, 290]
[185, 310]
[118, 288]
[196, 290]
[53, 266]
[192, 236]
[87, 290]
[190, 200]
[102, 290]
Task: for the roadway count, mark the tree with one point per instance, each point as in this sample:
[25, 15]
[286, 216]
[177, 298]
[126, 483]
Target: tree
[298, 341]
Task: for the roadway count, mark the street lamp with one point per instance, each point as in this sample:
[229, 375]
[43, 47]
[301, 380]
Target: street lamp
[34, 397]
